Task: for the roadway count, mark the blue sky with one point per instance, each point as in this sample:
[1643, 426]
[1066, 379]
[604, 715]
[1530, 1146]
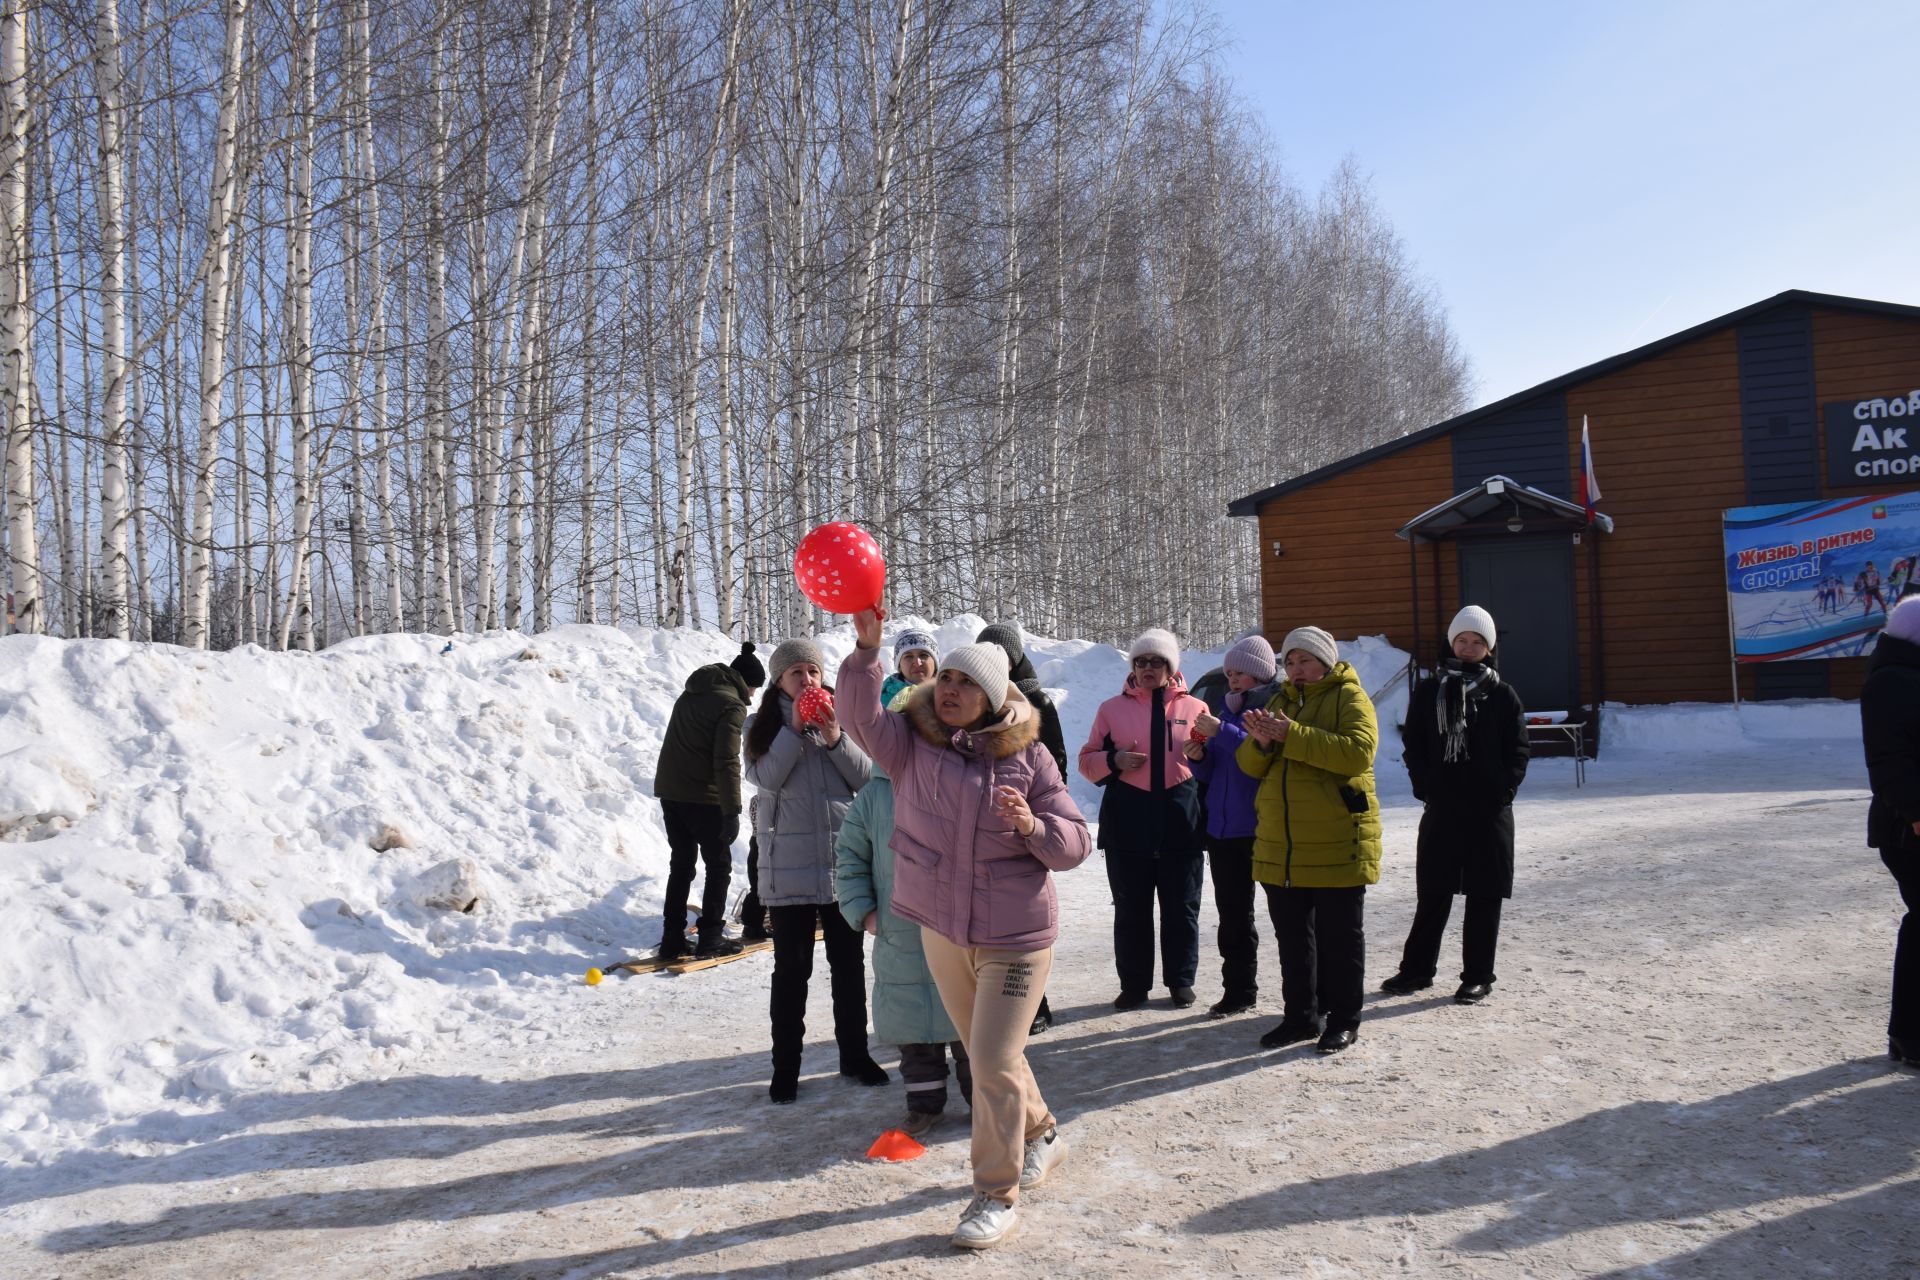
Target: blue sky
[1576, 179]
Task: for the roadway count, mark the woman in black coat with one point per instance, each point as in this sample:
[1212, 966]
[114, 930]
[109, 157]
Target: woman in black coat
[1466, 753]
[1890, 730]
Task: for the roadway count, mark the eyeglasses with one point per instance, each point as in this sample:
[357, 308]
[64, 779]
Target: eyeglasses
[1149, 662]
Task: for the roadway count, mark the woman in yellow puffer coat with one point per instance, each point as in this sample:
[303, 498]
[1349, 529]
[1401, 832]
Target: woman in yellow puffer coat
[1316, 844]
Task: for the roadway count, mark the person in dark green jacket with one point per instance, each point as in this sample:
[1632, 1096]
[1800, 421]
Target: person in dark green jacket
[698, 786]
[1316, 842]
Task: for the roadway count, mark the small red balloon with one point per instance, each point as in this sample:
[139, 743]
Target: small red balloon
[813, 706]
[839, 568]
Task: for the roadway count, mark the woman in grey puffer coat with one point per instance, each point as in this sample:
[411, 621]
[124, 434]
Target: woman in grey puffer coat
[807, 776]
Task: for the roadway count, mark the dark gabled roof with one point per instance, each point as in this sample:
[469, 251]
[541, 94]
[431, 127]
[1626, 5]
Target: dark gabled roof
[1251, 504]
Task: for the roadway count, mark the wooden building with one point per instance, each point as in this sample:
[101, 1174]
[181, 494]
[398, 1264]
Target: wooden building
[1725, 414]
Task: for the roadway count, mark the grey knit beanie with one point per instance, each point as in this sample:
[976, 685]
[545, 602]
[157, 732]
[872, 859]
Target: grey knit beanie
[1314, 641]
[1157, 640]
[791, 653]
[1007, 637]
[1254, 657]
[986, 665]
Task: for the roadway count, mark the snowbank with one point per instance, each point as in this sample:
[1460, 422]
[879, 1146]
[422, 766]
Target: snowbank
[245, 869]
[233, 871]
[1707, 726]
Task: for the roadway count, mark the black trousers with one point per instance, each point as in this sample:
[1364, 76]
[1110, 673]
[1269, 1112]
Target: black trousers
[1904, 1024]
[752, 914]
[698, 833]
[792, 969]
[924, 1068]
[1137, 879]
[1238, 936]
[1323, 952]
[1421, 956]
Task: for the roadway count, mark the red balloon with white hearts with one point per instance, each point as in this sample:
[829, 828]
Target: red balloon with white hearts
[839, 567]
[814, 706]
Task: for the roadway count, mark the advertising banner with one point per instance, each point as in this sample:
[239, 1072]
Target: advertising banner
[1815, 579]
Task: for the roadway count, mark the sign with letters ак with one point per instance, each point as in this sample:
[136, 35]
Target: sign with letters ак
[1874, 440]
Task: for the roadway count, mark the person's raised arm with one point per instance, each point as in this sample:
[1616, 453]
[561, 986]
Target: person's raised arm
[888, 739]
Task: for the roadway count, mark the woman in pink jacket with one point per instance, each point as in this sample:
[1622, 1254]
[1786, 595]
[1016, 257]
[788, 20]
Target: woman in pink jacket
[1151, 823]
[981, 816]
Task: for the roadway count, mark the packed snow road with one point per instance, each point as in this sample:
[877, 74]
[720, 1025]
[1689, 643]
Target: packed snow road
[1680, 1073]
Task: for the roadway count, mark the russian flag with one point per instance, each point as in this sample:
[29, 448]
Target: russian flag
[1589, 483]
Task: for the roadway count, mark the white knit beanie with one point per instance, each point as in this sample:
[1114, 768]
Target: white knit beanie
[1472, 618]
[1252, 656]
[1314, 641]
[985, 665]
[1904, 622]
[1157, 640]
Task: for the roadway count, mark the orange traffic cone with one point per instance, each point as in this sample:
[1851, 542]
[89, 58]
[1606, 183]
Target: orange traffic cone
[895, 1145]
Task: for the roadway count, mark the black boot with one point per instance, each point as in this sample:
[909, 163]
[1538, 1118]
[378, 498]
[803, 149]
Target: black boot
[714, 943]
[673, 944]
[863, 1068]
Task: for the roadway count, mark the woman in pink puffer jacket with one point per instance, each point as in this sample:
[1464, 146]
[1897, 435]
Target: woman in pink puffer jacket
[981, 819]
[1152, 828]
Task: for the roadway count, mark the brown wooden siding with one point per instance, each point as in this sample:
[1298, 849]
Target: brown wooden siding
[1667, 446]
[1343, 568]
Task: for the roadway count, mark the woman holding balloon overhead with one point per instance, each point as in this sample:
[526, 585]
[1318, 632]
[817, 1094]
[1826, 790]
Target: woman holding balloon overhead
[981, 820]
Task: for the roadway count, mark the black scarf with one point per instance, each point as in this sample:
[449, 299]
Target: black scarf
[1459, 682]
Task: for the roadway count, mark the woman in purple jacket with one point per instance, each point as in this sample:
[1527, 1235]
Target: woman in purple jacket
[1229, 793]
[981, 817]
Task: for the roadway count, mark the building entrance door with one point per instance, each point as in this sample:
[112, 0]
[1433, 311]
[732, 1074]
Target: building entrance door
[1526, 583]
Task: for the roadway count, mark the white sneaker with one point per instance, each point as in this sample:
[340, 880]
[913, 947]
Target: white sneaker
[1044, 1154]
[985, 1223]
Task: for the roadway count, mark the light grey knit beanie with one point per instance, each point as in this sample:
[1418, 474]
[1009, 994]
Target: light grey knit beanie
[1315, 641]
[791, 653]
[985, 665]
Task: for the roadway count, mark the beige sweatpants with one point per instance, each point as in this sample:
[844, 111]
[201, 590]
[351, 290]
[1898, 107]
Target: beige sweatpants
[991, 996]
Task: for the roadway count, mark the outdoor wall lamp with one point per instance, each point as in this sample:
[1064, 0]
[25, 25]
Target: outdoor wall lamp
[1514, 523]
[1278, 550]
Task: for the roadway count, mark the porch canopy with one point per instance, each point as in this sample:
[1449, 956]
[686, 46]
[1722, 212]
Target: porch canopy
[1499, 505]
[1517, 546]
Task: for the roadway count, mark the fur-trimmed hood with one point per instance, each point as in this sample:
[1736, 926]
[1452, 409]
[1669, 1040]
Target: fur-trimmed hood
[1015, 729]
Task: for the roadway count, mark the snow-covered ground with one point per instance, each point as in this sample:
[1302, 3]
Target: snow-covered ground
[241, 1039]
